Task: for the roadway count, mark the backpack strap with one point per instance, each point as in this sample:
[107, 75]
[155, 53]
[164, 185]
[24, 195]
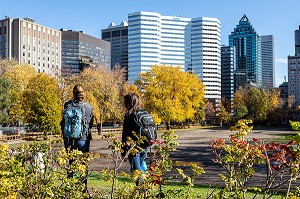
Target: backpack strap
[137, 121]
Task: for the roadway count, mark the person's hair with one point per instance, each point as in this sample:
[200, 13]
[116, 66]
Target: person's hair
[76, 90]
[76, 87]
[131, 102]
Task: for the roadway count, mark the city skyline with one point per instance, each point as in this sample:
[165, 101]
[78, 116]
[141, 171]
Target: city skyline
[275, 18]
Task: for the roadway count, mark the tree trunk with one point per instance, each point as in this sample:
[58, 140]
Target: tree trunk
[168, 126]
[99, 127]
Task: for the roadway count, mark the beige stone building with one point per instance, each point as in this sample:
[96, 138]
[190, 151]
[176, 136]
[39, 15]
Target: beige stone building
[31, 43]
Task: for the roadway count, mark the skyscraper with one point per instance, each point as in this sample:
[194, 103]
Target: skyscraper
[268, 62]
[31, 43]
[192, 43]
[294, 71]
[228, 65]
[78, 47]
[248, 53]
[297, 42]
[117, 35]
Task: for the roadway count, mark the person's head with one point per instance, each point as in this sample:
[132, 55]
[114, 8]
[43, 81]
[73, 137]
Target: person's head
[78, 92]
[131, 102]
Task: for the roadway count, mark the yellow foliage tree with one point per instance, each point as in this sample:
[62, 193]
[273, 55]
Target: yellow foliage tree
[41, 103]
[171, 94]
[19, 76]
[105, 86]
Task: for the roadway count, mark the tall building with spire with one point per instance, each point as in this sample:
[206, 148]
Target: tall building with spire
[247, 44]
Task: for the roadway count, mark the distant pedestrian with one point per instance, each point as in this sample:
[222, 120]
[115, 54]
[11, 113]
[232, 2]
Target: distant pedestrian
[137, 122]
[76, 124]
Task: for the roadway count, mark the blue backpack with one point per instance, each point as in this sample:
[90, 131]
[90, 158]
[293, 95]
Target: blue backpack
[75, 122]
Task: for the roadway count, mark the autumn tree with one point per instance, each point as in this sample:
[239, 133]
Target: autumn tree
[276, 107]
[105, 86]
[226, 103]
[222, 115]
[41, 103]
[210, 112]
[263, 106]
[6, 64]
[170, 93]
[19, 76]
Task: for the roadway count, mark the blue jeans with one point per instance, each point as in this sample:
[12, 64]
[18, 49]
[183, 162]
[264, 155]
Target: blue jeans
[80, 145]
[136, 160]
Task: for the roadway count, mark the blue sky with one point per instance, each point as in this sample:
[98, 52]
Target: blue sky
[276, 17]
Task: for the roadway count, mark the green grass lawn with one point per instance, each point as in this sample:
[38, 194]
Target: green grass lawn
[97, 180]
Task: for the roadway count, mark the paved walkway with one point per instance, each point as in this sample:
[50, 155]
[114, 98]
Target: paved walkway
[193, 147]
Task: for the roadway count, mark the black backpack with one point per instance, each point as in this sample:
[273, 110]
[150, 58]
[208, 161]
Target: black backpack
[147, 127]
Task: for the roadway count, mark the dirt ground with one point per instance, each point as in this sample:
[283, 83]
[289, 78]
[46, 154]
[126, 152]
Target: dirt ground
[193, 147]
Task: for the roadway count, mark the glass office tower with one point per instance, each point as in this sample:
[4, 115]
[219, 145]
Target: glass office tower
[247, 44]
[228, 64]
[268, 61]
[80, 49]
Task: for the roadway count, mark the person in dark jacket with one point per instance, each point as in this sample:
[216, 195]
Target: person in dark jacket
[83, 143]
[132, 106]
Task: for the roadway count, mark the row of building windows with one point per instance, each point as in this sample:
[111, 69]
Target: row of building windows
[210, 21]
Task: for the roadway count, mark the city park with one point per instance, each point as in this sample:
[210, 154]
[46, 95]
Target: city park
[245, 158]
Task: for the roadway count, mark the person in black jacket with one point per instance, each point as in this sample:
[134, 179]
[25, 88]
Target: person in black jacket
[132, 106]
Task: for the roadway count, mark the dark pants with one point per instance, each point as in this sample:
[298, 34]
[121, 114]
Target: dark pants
[80, 145]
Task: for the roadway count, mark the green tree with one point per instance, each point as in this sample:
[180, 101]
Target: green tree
[241, 112]
[41, 103]
[5, 102]
[257, 104]
[171, 94]
[255, 100]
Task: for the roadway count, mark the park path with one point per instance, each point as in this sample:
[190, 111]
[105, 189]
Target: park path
[193, 147]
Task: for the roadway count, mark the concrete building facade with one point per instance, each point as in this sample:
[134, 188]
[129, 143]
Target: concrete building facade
[31, 43]
[294, 71]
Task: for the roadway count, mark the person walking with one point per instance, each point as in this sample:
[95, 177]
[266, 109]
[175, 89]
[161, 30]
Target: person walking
[76, 124]
[130, 126]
